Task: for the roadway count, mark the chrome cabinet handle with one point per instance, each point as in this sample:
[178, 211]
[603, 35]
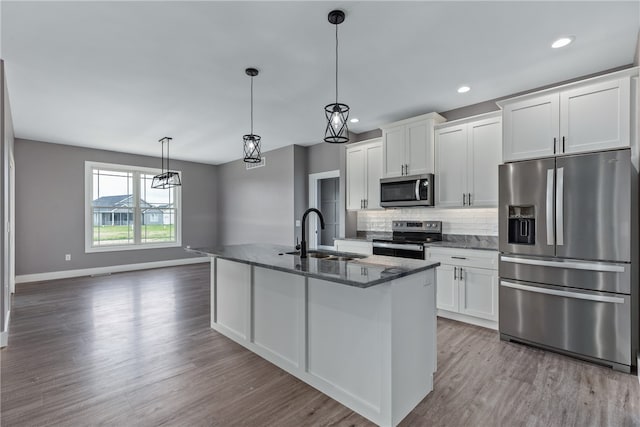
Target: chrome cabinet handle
[464, 199]
[455, 273]
[469, 198]
[554, 145]
[366, 203]
[458, 257]
[460, 273]
[563, 144]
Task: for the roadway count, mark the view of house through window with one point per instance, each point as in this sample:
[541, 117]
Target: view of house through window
[126, 211]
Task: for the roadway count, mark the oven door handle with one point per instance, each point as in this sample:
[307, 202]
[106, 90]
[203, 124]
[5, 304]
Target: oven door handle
[409, 247]
[566, 294]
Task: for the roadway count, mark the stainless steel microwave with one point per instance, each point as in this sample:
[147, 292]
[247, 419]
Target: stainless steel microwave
[403, 191]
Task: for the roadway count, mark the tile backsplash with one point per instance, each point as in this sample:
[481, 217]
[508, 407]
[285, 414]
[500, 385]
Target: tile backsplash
[482, 222]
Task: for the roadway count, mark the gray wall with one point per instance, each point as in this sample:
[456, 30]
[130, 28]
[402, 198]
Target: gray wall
[6, 150]
[50, 208]
[300, 188]
[257, 205]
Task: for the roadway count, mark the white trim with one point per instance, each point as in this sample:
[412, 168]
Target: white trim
[313, 203]
[54, 275]
[4, 335]
[484, 323]
[88, 216]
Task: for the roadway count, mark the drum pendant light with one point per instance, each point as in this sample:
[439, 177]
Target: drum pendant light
[337, 114]
[251, 141]
[167, 178]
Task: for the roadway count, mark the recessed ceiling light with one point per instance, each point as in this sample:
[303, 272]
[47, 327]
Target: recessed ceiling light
[464, 89]
[562, 42]
[354, 120]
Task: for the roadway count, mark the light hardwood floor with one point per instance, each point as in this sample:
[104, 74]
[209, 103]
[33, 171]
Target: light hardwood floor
[136, 349]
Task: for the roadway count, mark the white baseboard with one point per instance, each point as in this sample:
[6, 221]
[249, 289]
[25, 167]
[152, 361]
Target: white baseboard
[4, 335]
[489, 324]
[54, 275]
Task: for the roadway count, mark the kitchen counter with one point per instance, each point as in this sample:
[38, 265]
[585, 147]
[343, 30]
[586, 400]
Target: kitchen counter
[466, 241]
[371, 348]
[360, 272]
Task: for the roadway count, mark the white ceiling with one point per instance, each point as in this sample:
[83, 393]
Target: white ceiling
[121, 75]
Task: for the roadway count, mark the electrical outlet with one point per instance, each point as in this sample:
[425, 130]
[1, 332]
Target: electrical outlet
[298, 223]
[67, 257]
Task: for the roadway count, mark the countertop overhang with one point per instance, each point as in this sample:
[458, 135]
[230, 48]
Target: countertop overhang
[360, 272]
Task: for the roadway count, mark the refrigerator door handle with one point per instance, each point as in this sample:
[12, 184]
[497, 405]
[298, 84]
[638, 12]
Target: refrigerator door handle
[566, 294]
[550, 237]
[576, 265]
[560, 208]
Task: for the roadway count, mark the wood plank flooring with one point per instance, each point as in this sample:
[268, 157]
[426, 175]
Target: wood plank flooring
[135, 349]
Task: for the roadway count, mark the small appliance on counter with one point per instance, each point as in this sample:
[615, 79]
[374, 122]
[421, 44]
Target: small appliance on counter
[408, 239]
[405, 191]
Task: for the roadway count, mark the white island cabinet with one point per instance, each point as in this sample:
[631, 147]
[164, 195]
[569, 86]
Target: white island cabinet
[371, 348]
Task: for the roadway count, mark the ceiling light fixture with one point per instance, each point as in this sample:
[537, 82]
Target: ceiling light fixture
[562, 42]
[167, 178]
[337, 114]
[251, 141]
[464, 89]
[354, 120]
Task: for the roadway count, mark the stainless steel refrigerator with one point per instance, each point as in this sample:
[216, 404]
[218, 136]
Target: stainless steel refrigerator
[565, 262]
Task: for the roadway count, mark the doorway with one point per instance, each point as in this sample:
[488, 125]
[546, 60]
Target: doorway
[324, 194]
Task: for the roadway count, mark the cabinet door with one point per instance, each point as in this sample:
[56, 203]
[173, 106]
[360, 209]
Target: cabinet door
[374, 173]
[393, 151]
[355, 178]
[419, 148]
[484, 154]
[595, 117]
[451, 165]
[531, 128]
[447, 298]
[479, 292]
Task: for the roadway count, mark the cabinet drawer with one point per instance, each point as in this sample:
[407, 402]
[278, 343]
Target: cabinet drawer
[464, 257]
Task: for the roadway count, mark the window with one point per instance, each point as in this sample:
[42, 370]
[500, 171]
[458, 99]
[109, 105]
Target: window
[123, 212]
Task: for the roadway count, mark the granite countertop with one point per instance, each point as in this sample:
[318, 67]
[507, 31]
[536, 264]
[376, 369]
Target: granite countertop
[360, 272]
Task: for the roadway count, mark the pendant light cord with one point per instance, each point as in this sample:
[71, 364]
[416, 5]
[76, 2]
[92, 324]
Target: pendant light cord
[251, 105]
[336, 63]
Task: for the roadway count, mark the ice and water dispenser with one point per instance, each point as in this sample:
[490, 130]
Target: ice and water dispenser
[522, 225]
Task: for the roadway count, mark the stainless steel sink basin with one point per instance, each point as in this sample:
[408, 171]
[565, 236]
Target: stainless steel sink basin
[329, 256]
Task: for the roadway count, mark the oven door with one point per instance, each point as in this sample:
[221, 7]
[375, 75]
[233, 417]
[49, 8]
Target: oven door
[402, 250]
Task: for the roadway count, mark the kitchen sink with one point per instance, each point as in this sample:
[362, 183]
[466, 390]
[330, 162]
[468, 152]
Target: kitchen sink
[329, 256]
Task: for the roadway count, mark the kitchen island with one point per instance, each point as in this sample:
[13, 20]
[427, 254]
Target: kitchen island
[361, 330]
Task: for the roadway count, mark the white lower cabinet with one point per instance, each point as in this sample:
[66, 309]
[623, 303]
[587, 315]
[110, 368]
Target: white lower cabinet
[467, 285]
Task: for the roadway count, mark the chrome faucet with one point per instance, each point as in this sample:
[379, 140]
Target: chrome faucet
[303, 243]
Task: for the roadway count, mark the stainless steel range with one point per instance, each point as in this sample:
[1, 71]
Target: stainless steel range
[408, 239]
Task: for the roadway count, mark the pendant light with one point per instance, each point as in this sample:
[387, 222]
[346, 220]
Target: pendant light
[337, 114]
[167, 178]
[251, 141]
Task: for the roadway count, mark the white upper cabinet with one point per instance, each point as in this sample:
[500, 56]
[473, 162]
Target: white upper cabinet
[467, 159]
[531, 128]
[595, 117]
[364, 170]
[408, 145]
[579, 117]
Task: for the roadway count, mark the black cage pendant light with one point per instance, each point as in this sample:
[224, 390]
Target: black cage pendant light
[337, 114]
[251, 141]
[167, 178]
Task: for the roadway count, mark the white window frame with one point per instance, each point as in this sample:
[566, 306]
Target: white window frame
[88, 212]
